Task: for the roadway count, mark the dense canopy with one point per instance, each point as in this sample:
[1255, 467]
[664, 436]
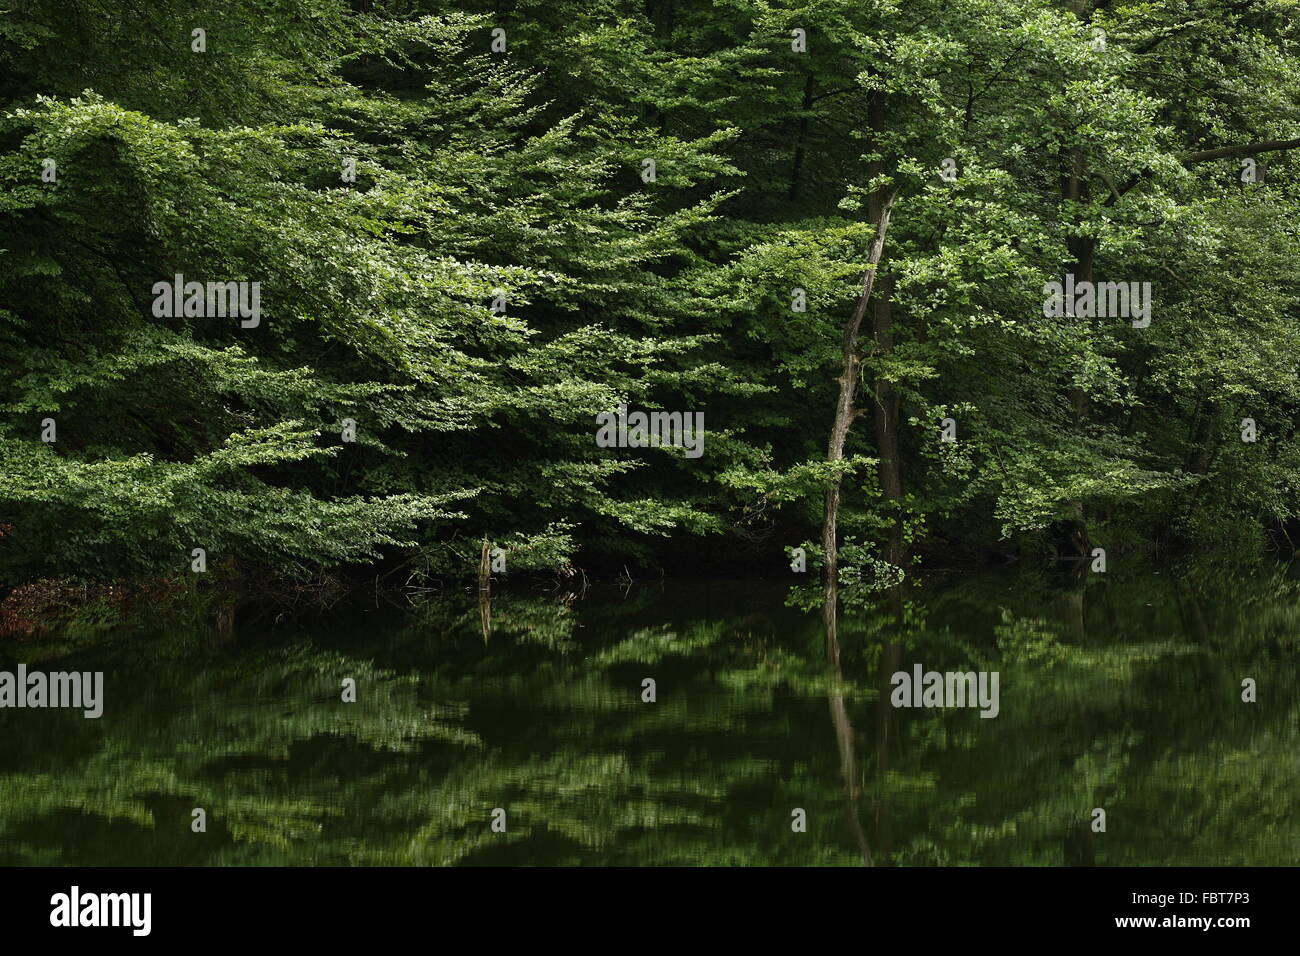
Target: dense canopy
[475, 227]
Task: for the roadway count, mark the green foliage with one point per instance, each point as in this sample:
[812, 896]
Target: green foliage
[518, 174]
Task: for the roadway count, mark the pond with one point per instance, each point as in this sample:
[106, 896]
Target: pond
[682, 723]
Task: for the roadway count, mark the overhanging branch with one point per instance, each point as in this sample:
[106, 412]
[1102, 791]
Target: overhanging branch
[1205, 156]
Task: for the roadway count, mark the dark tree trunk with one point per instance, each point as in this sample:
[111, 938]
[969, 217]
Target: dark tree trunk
[885, 418]
[1074, 188]
[801, 141]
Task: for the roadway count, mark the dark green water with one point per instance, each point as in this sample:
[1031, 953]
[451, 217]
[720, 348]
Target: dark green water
[1120, 693]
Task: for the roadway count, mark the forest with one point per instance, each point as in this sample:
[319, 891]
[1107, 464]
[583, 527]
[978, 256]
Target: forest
[307, 290]
[588, 431]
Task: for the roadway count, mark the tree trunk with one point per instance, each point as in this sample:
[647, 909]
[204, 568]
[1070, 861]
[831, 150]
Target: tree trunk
[1074, 188]
[485, 588]
[1197, 460]
[801, 141]
[885, 418]
[845, 412]
[884, 410]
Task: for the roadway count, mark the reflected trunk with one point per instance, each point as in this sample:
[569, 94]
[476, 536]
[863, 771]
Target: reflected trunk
[843, 727]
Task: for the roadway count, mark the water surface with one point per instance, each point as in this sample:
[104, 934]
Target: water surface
[1116, 693]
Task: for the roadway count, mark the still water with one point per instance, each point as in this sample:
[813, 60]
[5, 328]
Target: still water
[1121, 694]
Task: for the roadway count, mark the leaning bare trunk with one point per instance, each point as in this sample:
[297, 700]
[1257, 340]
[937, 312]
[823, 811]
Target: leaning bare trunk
[845, 412]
